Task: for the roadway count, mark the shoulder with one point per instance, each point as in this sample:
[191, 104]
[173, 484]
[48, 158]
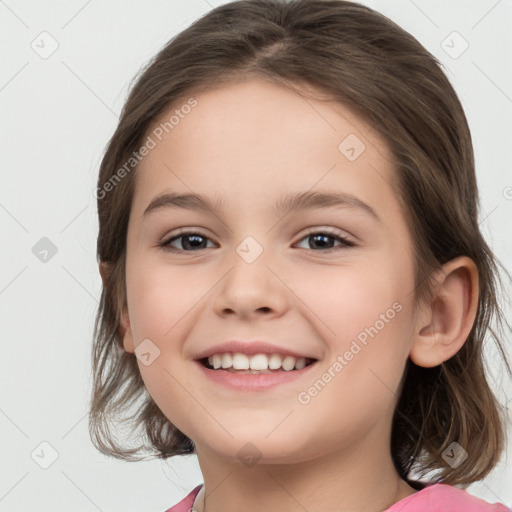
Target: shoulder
[185, 505]
[446, 498]
[432, 498]
[461, 500]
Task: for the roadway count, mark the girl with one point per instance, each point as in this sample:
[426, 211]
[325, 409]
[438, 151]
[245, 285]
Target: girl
[295, 285]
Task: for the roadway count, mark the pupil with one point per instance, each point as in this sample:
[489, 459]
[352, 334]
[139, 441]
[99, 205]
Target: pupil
[195, 244]
[314, 237]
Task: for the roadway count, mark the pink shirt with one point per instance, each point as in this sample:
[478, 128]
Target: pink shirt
[432, 498]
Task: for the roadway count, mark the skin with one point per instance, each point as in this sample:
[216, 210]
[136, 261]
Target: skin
[250, 143]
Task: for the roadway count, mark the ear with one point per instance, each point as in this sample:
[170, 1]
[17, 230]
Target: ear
[443, 326]
[104, 272]
[125, 330]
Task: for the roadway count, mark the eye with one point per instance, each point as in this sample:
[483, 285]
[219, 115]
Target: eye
[320, 238]
[194, 241]
[191, 241]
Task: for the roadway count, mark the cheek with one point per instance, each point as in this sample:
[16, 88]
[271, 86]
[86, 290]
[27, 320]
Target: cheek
[344, 301]
[357, 384]
[161, 298]
[362, 312]
[158, 312]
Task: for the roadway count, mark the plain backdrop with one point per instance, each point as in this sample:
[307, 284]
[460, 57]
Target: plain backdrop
[64, 75]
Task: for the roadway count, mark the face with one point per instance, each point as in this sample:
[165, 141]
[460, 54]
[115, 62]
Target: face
[332, 281]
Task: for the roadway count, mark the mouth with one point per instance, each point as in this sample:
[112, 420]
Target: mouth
[237, 372]
[206, 364]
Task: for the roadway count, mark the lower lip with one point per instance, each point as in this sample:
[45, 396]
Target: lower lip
[253, 382]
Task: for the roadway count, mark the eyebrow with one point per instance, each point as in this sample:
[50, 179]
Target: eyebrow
[288, 203]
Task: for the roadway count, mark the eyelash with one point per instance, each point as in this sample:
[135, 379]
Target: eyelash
[345, 242]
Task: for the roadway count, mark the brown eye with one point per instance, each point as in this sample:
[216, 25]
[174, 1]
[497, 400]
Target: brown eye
[321, 240]
[190, 241]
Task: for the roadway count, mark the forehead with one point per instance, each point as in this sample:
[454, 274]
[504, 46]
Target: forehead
[249, 143]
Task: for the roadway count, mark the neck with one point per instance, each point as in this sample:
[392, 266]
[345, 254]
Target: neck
[347, 480]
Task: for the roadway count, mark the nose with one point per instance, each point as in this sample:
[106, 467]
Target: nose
[251, 289]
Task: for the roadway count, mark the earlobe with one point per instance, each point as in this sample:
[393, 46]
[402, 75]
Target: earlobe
[444, 326]
[125, 331]
[104, 271]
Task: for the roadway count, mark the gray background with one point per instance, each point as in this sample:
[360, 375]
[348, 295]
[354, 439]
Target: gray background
[58, 112]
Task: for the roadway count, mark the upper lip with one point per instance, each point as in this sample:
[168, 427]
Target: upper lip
[249, 348]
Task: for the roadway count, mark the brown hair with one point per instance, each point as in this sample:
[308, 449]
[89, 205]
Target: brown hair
[363, 60]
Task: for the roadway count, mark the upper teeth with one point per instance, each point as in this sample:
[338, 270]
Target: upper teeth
[256, 362]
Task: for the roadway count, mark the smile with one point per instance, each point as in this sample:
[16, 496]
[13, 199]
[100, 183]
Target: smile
[255, 373]
[257, 363]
